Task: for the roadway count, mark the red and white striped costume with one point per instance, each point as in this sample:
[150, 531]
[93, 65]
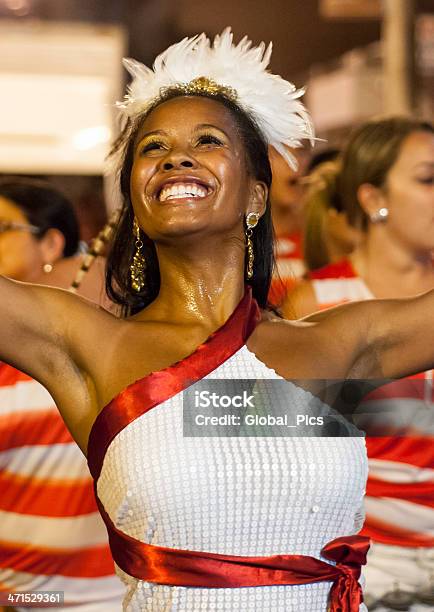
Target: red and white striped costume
[290, 266]
[51, 534]
[400, 491]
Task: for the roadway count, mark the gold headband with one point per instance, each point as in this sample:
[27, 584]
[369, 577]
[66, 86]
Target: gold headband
[201, 85]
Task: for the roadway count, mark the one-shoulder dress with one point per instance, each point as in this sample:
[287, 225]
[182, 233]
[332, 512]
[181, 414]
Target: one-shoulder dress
[263, 501]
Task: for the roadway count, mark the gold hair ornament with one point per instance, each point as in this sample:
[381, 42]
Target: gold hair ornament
[201, 85]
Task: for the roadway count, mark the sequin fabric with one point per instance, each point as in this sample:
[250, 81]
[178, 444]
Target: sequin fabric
[231, 495]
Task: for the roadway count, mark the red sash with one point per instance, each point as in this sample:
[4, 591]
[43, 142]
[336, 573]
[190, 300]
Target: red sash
[190, 568]
[157, 387]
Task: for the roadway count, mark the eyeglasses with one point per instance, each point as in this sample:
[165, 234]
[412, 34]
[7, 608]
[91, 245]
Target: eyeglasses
[8, 226]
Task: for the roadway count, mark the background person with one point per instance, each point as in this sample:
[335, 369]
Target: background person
[327, 235]
[287, 209]
[386, 187]
[51, 535]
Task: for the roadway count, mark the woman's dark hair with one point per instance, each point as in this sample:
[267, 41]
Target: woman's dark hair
[321, 196]
[44, 207]
[123, 245]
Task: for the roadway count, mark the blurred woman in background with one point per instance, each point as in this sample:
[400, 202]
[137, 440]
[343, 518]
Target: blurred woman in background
[287, 209]
[51, 535]
[327, 236]
[386, 187]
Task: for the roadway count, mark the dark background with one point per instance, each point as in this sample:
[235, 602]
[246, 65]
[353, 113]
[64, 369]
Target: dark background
[300, 35]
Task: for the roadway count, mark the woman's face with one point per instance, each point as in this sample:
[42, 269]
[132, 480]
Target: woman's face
[409, 193]
[21, 256]
[189, 172]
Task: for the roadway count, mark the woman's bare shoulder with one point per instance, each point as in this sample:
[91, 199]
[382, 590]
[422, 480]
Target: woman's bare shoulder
[308, 349]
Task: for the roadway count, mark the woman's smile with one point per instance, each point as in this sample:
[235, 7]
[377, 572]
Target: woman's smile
[183, 187]
[182, 191]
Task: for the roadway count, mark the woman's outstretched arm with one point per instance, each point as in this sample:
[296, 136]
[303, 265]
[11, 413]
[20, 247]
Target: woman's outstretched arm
[53, 336]
[396, 337]
[34, 326]
[401, 332]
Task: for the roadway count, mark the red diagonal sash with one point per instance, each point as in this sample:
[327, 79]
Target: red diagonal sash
[157, 387]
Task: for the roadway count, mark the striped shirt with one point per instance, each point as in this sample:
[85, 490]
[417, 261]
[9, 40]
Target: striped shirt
[290, 267]
[400, 490]
[51, 534]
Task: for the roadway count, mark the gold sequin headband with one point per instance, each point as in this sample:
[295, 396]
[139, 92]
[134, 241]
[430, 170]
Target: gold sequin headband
[202, 85]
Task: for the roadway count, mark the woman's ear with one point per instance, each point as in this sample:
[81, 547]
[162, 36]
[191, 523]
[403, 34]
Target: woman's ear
[258, 198]
[52, 245]
[371, 199]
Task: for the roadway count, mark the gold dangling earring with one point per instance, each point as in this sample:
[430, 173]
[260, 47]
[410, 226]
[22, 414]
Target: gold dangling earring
[251, 222]
[138, 266]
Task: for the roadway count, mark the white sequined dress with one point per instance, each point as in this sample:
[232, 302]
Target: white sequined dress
[231, 495]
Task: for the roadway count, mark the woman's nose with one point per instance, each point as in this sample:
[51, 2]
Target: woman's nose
[179, 159]
[170, 165]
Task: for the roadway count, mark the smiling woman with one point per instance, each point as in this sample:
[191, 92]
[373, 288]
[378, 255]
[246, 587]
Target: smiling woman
[211, 523]
[221, 145]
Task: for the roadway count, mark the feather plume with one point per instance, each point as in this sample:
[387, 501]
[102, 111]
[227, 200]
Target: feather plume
[270, 100]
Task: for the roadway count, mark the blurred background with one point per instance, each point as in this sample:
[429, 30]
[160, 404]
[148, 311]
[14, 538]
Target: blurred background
[60, 71]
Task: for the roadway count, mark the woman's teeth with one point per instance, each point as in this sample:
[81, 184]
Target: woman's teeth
[182, 190]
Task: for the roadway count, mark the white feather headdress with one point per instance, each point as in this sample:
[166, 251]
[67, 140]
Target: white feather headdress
[238, 72]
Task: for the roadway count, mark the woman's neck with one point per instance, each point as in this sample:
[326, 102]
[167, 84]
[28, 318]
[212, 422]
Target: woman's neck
[194, 290]
[391, 269]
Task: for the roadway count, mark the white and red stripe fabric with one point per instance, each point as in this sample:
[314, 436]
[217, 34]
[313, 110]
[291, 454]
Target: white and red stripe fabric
[51, 534]
[400, 490]
[290, 266]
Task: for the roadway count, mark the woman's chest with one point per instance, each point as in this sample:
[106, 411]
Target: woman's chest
[162, 486]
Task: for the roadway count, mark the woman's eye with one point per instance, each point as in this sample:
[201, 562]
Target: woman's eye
[208, 139]
[429, 180]
[152, 146]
